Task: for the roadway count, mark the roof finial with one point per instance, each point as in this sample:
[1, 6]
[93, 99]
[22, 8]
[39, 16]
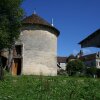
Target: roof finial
[34, 10]
[52, 22]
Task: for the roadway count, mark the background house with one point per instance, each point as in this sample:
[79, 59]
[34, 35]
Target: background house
[61, 62]
[91, 60]
[92, 40]
[71, 58]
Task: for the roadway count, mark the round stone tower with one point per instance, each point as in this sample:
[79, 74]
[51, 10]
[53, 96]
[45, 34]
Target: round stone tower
[39, 47]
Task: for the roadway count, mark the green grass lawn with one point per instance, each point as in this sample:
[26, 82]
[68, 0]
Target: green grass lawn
[49, 88]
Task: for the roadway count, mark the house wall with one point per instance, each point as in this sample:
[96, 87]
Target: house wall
[39, 51]
[63, 66]
[98, 63]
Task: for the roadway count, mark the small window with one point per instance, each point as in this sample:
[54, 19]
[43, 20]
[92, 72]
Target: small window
[17, 50]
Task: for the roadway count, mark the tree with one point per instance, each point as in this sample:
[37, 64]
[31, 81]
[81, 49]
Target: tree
[75, 66]
[10, 22]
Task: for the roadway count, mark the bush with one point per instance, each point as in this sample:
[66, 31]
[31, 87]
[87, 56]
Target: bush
[98, 72]
[93, 71]
[62, 72]
[74, 67]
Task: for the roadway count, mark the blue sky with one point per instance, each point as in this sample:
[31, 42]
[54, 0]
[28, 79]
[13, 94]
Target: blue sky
[76, 19]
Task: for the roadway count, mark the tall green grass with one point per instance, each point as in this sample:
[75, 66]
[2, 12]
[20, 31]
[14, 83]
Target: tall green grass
[49, 88]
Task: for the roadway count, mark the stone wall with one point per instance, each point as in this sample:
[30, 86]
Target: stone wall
[39, 51]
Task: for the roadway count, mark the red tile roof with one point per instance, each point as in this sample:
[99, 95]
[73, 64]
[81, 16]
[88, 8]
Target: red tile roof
[61, 59]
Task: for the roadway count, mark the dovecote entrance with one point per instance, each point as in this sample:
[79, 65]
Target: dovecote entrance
[17, 60]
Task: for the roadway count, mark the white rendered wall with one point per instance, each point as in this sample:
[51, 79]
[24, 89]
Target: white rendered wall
[63, 66]
[39, 52]
[98, 63]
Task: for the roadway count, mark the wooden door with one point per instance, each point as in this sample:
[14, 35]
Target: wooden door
[14, 67]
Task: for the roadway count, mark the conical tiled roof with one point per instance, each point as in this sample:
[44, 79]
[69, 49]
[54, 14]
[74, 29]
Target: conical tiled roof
[35, 19]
